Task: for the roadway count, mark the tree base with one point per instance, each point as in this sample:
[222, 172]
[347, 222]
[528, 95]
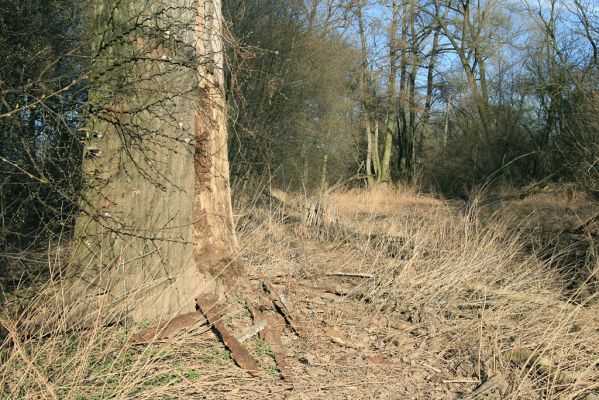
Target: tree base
[270, 312]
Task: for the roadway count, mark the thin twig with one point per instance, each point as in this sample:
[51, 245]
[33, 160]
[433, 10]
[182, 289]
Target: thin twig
[351, 274]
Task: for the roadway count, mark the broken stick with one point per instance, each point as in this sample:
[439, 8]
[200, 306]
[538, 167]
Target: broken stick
[282, 306]
[352, 274]
[272, 336]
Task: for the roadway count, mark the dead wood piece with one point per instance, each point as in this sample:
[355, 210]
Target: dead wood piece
[377, 360]
[213, 312]
[282, 308]
[258, 327]
[496, 381]
[184, 321]
[285, 302]
[337, 337]
[352, 274]
[272, 336]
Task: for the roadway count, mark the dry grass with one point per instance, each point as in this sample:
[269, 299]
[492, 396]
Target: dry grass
[476, 289]
[387, 200]
[477, 302]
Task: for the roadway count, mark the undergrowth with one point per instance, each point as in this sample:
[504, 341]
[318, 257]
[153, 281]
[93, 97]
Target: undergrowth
[469, 284]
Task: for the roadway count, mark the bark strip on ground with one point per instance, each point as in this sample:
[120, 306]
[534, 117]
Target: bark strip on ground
[214, 314]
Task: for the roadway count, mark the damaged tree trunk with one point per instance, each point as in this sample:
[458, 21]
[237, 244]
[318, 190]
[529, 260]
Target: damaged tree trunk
[215, 243]
[156, 227]
[156, 236]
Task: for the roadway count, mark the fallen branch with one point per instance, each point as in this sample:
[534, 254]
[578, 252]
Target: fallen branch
[272, 336]
[352, 274]
[283, 307]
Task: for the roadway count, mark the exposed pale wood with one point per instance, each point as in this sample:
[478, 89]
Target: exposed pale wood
[254, 330]
[378, 360]
[338, 338]
[215, 243]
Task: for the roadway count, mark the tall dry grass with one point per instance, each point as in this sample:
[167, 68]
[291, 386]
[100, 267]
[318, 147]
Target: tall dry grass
[468, 283]
[44, 354]
[476, 288]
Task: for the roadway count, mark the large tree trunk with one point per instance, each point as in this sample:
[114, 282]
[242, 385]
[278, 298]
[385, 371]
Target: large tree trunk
[157, 117]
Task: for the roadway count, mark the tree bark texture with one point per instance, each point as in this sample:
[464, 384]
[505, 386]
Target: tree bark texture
[150, 236]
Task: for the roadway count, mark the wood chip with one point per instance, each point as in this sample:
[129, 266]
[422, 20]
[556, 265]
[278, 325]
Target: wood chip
[213, 312]
[337, 337]
[258, 327]
[377, 360]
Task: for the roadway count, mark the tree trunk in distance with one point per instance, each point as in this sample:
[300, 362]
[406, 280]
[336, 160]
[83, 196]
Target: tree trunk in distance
[390, 119]
[375, 151]
[370, 178]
